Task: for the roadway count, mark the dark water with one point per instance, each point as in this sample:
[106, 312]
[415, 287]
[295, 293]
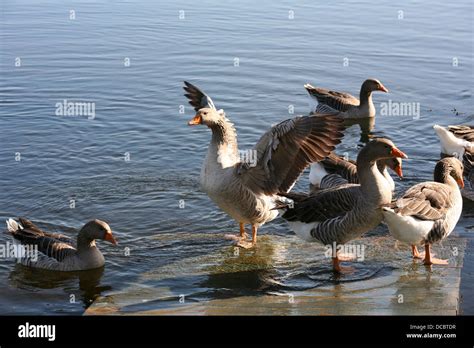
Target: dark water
[137, 112]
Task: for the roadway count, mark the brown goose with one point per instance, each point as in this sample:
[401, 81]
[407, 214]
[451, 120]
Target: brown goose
[334, 171]
[248, 191]
[429, 211]
[348, 105]
[458, 141]
[337, 215]
[58, 252]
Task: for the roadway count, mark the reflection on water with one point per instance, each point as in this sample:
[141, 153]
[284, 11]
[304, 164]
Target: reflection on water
[366, 127]
[83, 286]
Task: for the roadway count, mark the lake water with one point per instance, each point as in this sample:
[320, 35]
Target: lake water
[136, 161]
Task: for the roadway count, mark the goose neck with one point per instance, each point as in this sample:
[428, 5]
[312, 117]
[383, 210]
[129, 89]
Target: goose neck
[223, 148]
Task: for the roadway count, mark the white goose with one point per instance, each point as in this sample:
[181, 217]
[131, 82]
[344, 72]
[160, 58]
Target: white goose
[429, 211]
[458, 141]
[248, 191]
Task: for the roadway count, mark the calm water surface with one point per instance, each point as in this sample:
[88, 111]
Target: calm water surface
[253, 60]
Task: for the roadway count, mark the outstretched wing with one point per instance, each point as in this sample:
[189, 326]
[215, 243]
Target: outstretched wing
[287, 149]
[197, 98]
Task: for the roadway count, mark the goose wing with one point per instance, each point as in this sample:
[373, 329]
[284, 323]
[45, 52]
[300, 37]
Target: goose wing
[197, 98]
[336, 100]
[322, 205]
[52, 245]
[465, 132]
[425, 201]
[287, 149]
[345, 168]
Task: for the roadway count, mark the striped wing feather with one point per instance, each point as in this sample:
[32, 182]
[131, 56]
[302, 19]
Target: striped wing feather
[337, 100]
[425, 201]
[287, 149]
[323, 205]
[56, 246]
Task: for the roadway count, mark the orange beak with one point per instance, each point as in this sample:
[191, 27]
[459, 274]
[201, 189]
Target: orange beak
[460, 182]
[195, 121]
[398, 170]
[110, 238]
[397, 153]
[383, 89]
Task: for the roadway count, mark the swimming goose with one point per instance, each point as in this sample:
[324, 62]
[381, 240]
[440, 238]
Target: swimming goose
[429, 211]
[58, 252]
[335, 170]
[248, 191]
[348, 105]
[335, 216]
[458, 141]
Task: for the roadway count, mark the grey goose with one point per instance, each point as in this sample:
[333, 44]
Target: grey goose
[58, 252]
[248, 192]
[335, 216]
[428, 212]
[347, 105]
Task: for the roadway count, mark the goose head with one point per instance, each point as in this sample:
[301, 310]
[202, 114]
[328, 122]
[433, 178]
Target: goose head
[449, 166]
[98, 229]
[372, 85]
[207, 116]
[379, 149]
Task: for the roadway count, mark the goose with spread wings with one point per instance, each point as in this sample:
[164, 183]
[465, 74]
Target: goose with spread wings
[248, 190]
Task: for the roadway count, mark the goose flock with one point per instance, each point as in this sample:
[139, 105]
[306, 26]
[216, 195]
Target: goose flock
[345, 200]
